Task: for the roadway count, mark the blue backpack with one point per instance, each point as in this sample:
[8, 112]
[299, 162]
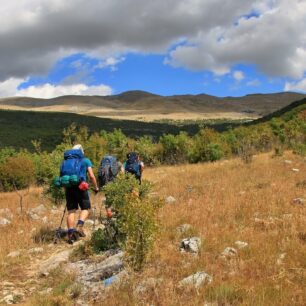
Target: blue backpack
[72, 171]
[132, 165]
[108, 170]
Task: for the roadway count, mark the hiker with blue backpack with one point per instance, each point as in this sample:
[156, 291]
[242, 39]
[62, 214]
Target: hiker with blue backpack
[134, 165]
[74, 173]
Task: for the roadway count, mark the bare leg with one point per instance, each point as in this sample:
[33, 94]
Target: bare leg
[71, 219]
[84, 214]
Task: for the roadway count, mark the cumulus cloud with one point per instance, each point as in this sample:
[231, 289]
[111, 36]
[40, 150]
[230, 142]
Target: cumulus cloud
[238, 75]
[296, 86]
[45, 91]
[217, 34]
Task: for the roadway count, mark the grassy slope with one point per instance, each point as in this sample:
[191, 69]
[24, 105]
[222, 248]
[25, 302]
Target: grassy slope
[222, 207]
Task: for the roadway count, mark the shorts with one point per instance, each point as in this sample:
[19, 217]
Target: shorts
[76, 198]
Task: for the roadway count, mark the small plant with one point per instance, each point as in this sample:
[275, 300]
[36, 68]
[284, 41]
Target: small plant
[44, 235]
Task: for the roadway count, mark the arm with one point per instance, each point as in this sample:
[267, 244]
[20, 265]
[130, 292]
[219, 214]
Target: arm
[92, 178]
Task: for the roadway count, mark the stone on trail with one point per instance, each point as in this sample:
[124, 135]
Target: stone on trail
[170, 200]
[4, 221]
[54, 261]
[295, 170]
[241, 244]
[192, 244]
[196, 280]
[89, 222]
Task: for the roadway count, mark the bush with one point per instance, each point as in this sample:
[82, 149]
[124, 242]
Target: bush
[135, 224]
[17, 172]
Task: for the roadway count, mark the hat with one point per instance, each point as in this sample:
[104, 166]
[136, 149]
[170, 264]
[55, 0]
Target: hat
[78, 147]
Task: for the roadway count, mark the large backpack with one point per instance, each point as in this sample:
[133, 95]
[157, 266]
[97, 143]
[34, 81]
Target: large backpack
[72, 170]
[108, 170]
[132, 165]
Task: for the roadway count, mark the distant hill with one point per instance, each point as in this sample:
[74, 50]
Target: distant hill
[144, 106]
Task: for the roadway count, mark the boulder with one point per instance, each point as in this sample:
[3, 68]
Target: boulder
[196, 280]
[192, 244]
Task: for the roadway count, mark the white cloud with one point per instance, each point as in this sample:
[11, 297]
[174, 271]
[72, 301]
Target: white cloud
[9, 88]
[296, 86]
[218, 33]
[238, 75]
[254, 83]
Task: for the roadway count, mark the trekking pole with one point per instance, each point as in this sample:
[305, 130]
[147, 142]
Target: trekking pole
[94, 212]
[58, 231]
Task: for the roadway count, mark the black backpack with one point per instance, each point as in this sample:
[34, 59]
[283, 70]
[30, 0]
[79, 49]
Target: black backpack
[132, 165]
[108, 170]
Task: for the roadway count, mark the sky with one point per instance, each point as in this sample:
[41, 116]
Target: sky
[51, 48]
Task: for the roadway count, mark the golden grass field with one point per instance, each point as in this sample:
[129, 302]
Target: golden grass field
[224, 202]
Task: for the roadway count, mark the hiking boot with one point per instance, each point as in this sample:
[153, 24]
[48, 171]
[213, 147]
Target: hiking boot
[80, 231]
[73, 237]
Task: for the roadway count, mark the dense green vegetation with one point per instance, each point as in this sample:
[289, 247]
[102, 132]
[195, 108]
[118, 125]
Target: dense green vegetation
[287, 130]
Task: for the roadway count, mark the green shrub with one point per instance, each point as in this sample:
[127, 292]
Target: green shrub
[17, 172]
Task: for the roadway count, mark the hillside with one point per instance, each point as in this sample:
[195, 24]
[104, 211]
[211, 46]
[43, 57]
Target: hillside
[139, 105]
[221, 203]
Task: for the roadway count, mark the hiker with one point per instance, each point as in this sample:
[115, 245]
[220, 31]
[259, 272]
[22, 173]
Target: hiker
[134, 165]
[109, 168]
[78, 196]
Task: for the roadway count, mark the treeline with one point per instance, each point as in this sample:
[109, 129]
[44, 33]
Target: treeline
[18, 168]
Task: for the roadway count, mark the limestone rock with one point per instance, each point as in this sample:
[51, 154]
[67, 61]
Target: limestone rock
[14, 254]
[192, 244]
[229, 252]
[36, 250]
[37, 210]
[54, 261]
[196, 280]
[298, 201]
[289, 162]
[6, 212]
[8, 299]
[4, 221]
[295, 170]
[170, 200]
[241, 244]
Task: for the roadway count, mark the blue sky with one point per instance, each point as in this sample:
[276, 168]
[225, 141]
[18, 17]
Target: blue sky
[166, 47]
[150, 73]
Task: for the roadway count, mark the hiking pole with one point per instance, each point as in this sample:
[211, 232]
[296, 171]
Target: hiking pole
[58, 231]
[94, 212]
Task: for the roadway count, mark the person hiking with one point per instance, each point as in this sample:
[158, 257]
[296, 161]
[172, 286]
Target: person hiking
[134, 165]
[78, 196]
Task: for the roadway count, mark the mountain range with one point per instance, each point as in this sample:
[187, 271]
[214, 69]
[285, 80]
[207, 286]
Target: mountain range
[144, 106]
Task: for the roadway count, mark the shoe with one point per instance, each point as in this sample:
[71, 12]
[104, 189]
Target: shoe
[80, 231]
[73, 237]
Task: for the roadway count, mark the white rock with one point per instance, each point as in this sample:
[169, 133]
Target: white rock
[196, 280]
[54, 261]
[192, 244]
[170, 200]
[20, 232]
[299, 201]
[8, 299]
[14, 254]
[89, 222]
[4, 221]
[289, 162]
[38, 210]
[36, 250]
[6, 212]
[229, 252]
[34, 216]
[241, 244]
[280, 259]
[45, 220]
[295, 170]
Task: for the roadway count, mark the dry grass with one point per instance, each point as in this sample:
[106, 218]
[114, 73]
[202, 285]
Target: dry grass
[224, 202]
